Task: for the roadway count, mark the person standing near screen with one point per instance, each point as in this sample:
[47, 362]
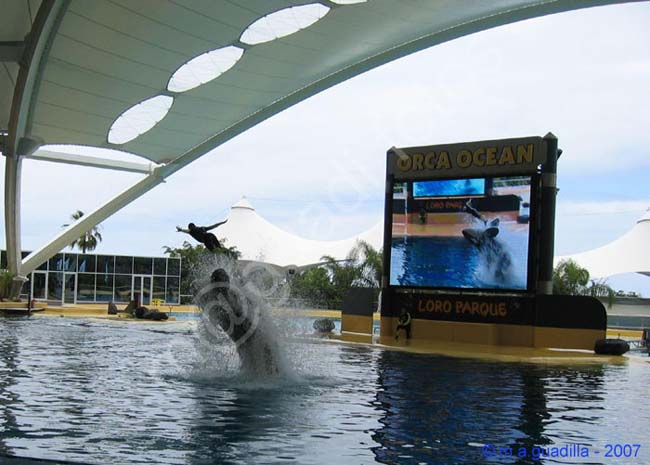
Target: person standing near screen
[404, 323]
[201, 234]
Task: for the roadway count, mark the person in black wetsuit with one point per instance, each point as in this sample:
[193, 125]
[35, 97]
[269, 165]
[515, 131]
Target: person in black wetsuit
[404, 322]
[201, 234]
[474, 212]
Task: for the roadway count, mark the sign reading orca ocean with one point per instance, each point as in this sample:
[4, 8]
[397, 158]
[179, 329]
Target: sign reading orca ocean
[487, 158]
[460, 214]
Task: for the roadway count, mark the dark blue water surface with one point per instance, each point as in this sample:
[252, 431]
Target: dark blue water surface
[436, 261]
[123, 393]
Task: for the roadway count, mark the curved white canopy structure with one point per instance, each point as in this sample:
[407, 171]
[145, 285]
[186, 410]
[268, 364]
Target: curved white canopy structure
[629, 253]
[261, 241]
[71, 68]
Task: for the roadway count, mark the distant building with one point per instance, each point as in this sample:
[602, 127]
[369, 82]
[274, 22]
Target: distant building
[70, 278]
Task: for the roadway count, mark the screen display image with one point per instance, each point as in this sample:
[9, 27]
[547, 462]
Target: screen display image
[469, 242]
[449, 188]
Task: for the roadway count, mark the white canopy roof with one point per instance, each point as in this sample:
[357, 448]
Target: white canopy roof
[102, 57]
[629, 253]
[259, 240]
[121, 74]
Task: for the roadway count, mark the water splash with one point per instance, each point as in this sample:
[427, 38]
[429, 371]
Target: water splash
[236, 318]
[502, 261]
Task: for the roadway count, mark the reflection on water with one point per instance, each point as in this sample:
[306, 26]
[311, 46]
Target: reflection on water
[100, 392]
[444, 410]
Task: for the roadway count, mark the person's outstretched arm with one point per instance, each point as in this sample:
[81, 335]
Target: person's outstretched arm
[474, 212]
[179, 229]
[208, 228]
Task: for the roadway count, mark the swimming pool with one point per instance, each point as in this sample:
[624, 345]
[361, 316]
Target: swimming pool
[102, 392]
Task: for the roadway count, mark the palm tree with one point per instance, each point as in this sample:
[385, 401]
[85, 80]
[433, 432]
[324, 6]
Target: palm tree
[569, 278]
[343, 274]
[370, 261]
[90, 239]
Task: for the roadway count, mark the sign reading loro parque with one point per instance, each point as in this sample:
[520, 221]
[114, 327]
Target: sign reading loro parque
[468, 245]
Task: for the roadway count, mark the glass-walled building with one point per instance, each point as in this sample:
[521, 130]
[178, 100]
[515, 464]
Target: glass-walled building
[86, 278]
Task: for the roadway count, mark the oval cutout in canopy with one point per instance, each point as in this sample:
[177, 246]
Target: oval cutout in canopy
[204, 68]
[139, 119]
[283, 23]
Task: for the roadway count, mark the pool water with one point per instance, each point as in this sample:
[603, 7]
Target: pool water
[437, 261]
[103, 392]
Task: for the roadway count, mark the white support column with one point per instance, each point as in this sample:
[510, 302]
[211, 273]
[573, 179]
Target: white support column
[18, 141]
[13, 167]
[86, 222]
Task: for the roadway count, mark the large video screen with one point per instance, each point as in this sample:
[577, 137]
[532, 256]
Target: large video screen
[449, 188]
[477, 240]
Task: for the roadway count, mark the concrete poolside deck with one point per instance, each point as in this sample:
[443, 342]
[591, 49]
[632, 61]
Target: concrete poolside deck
[101, 311]
[460, 350]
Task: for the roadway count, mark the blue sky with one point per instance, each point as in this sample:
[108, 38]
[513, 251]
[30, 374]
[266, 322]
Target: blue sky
[317, 169]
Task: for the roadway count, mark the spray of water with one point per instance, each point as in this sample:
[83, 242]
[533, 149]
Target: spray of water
[502, 261]
[236, 317]
[245, 346]
[495, 264]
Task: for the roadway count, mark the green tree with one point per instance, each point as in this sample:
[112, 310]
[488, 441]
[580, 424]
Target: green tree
[313, 285]
[370, 262]
[343, 274]
[569, 278]
[328, 283]
[6, 278]
[192, 257]
[601, 289]
[90, 239]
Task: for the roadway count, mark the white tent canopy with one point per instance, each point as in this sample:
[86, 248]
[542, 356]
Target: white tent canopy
[259, 240]
[629, 253]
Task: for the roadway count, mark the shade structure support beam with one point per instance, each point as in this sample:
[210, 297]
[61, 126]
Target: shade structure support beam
[17, 141]
[88, 221]
[92, 162]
